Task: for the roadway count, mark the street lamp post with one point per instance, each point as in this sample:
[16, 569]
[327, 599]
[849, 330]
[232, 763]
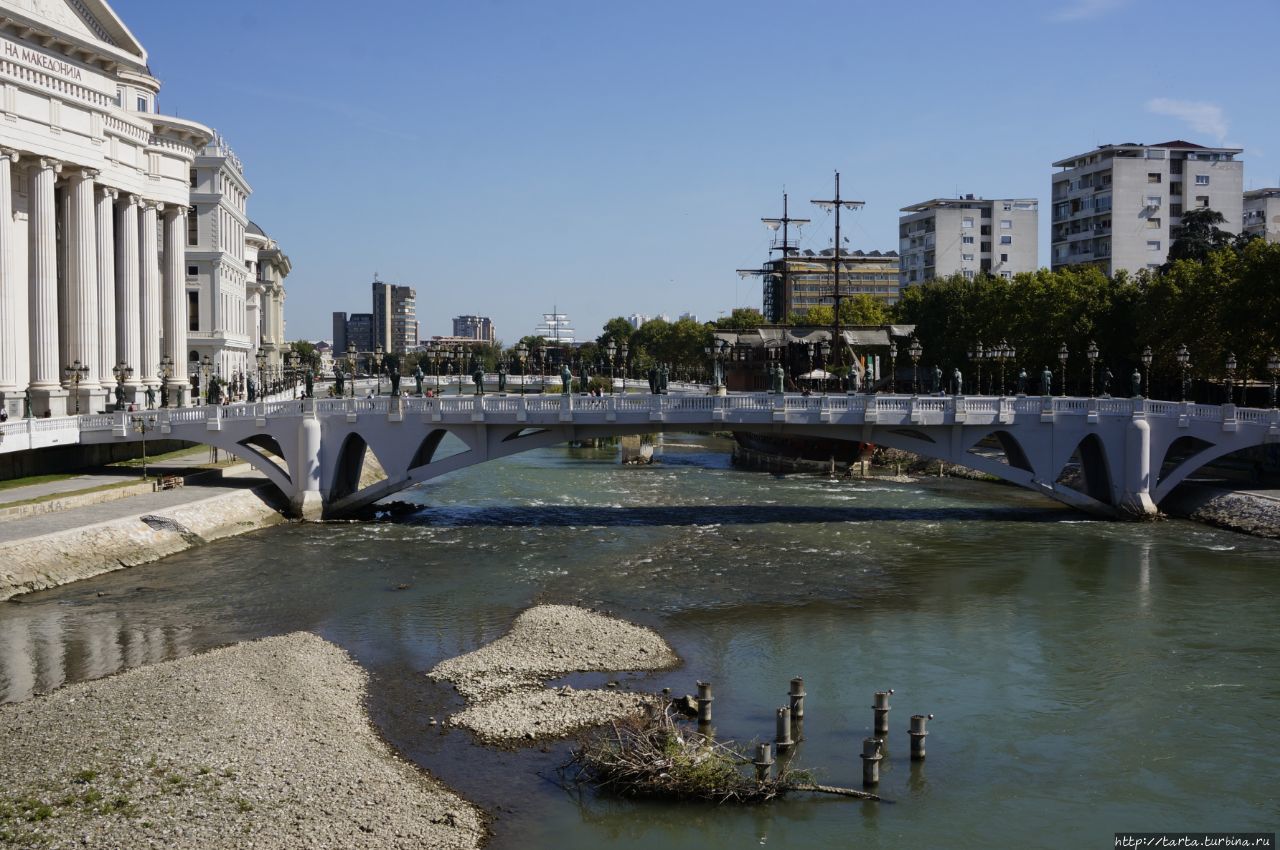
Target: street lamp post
[164, 374]
[261, 358]
[1063, 354]
[1147, 357]
[622, 362]
[915, 351]
[975, 356]
[1231, 377]
[206, 369]
[74, 374]
[1184, 363]
[893, 368]
[1092, 354]
[377, 365]
[610, 351]
[144, 424]
[824, 355]
[522, 357]
[1010, 354]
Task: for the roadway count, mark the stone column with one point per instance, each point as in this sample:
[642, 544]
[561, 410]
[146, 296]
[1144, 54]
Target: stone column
[47, 395]
[149, 282]
[82, 292]
[12, 320]
[175, 302]
[106, 359]
[128, 303]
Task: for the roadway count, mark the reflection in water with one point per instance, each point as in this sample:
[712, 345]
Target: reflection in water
[38, 654]
[1084, 674]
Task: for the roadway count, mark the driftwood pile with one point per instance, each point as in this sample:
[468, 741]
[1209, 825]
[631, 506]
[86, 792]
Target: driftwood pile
[662, 756]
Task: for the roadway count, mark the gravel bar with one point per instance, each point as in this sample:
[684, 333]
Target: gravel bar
[264, 744]
[503, 681]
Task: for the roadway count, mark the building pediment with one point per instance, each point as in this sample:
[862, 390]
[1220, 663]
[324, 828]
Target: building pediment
[88, 22]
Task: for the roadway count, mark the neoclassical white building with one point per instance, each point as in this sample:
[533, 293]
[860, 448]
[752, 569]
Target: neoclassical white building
[95, 189]
[235, 272]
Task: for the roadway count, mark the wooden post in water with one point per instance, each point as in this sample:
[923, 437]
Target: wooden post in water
[784, 729]
[797, 696]
[704, 702]
[764, 761]
[918, 733]
[871, 761]
[881, 708]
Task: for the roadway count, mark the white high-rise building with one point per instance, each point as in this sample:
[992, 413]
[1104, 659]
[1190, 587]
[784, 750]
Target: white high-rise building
[1115, 206]
[967, 236]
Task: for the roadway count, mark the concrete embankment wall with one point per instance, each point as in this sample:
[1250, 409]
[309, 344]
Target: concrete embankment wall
[38, 563]
[76, 457]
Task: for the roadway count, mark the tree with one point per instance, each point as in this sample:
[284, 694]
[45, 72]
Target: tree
[741, 319]
[307, 352]
[618, 330]
[1197, 235]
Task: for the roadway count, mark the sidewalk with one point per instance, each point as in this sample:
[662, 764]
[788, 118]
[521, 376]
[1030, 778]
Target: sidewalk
[49, 523]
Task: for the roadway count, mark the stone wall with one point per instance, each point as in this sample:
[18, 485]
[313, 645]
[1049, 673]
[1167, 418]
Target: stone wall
[76, 457]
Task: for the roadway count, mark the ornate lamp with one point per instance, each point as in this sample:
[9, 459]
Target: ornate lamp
[1092, 353]
[1063, 354]
[1184, 363]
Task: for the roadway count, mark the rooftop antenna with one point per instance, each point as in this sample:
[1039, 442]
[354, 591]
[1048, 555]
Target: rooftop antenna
[782, 244]
[837, 203]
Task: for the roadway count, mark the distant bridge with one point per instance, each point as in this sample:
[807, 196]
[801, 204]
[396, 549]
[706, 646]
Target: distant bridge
[1126, 455]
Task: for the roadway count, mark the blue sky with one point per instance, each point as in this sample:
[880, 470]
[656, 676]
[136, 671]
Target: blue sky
[507, 157]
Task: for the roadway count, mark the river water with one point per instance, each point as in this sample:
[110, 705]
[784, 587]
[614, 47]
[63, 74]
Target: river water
[1086, 677]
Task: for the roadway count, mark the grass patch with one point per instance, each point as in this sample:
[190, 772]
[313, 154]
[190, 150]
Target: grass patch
[84, 777]
[51, 497]
[135, 462]
[243, 806]
[35, 479]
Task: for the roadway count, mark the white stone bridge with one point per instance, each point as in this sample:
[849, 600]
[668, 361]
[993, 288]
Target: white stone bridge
[1126, 455]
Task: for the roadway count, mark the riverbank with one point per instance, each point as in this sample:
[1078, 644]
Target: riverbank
[137, 531]
[1236, 510]
[261, 744]
[503, 682]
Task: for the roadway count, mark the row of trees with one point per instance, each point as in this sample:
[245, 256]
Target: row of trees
[1228, 302]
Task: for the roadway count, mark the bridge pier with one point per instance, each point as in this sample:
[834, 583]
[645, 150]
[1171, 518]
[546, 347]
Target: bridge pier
[306, 502]
[1136, 501]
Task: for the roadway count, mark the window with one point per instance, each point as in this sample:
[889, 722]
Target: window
[968, 240]
[193, 271]
[1202, 179]
[142, 103]
[1202, 200]
[1153, 200]
[1006, 275]
[1008, 206]
[985, 247]
[193, 311]
[193, 178]
[986, 230]
[968, 258]
[968, 274]
[1175, 209]
[193, 228]
[119, 95]
[1153, 223]
[1004, 258]
[1006, 224]
[1006, 240]
[1153, 245]
[1153, 177]
[1175, 188]
[968, 222]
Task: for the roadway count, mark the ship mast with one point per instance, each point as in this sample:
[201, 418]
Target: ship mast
[784, 245]
[837, 203]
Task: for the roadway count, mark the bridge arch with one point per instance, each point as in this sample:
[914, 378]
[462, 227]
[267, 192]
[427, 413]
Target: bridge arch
[1095, 471]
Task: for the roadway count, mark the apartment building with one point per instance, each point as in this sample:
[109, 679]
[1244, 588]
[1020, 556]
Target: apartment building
[1114, 206]
[967, 236]
[1262, 214]
[474, 327]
